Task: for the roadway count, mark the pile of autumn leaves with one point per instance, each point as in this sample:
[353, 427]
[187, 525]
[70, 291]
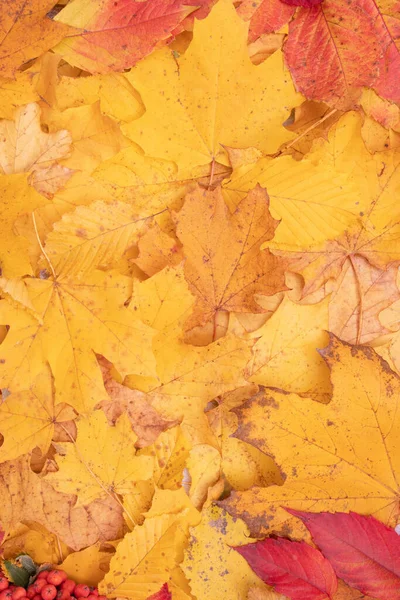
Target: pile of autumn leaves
[173, 258]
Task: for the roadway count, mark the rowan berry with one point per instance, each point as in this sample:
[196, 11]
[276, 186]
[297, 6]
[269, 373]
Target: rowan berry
[69, 585]
[48, 592]
[91, 597]
[42, 575]
[81, 591]
[56, 577]
[63, 595]
[4, 583]
[94, 591]
[6, 594]
[38, 585]
[18, 593]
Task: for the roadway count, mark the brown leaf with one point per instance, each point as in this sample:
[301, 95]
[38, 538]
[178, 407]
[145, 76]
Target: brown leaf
[26, 497]
[145, 420]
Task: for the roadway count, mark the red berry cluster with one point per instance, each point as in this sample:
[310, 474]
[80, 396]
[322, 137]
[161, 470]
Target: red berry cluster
[49, 585]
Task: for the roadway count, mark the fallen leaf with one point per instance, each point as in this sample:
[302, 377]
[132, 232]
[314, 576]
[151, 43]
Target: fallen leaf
[57, 337]
[25, 148]
[285, 353]
[26, 497]
[193, 122]
[157, 250]
[162, 594]
[265, 16]
[144, 419]
[103, 461]
[243, 465]
[115, 39]
[362, 550]
[28, 419]
[170, 453]
[87, 566]
[27, 20]
[17, 198]
[211, 565]
[293, 568]
[224, 265]
[145, 557]
[328, 460]
[314, 200]
[334, 49]
[91, 237]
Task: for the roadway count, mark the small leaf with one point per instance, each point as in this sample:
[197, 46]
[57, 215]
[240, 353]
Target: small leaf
[18, 575]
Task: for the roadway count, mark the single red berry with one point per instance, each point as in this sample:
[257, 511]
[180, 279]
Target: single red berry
[81, 591]
[4, 583]
[18, 593]
[91, 597]
[56, 576]
[63, 595]
[69, 585]
[48, 592]
[42, 575]
[6, 594]
[94, 590]
[38, 585]
[31, 591]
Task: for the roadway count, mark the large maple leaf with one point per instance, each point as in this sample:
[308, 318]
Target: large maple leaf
[54, 333]
[328, 460]
[193, 122]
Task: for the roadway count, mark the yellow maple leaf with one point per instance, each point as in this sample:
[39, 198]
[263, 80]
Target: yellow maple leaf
[103, 460]
[56, 335]
[28, 418]
[227, 105]
[336, 457]
[224, 265]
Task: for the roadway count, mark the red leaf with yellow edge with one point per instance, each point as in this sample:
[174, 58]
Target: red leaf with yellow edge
[364, 552]
[163, 594]
[293, 568]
